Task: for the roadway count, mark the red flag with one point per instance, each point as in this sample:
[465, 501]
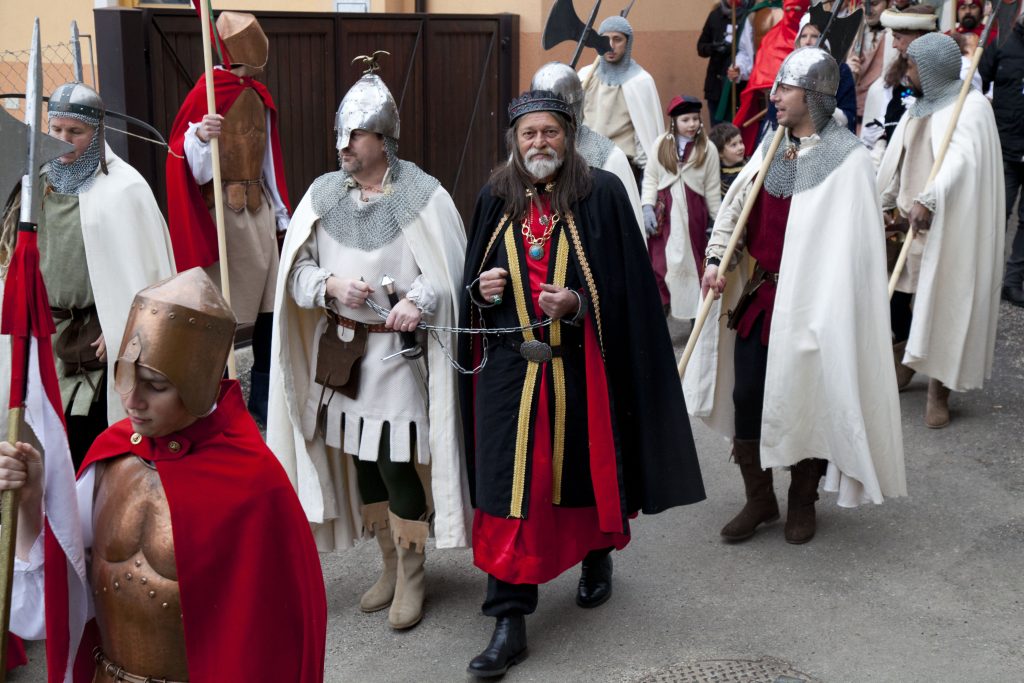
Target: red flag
[215, 39]
[26, 318]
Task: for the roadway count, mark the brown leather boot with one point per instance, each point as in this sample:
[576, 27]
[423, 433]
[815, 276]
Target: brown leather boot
[803, 491]
[375, 521]
[761, 505]
[903, 373]
[410, 538]
[936, 412]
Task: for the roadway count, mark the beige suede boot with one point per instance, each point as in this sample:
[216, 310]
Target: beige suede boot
[375, 520]
[936, 412]
[903, 373]
[410, 539]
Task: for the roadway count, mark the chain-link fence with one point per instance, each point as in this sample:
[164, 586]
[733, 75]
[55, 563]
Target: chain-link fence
[58, 68]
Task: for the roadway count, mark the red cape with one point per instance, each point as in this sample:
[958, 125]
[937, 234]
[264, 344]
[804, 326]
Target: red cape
[193, 233]
[775, 47]
[252, 591]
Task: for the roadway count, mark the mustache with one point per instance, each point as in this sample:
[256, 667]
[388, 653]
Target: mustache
[547, 153]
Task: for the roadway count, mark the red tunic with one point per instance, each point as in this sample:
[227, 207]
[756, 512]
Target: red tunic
[552, 538]
[766, 230]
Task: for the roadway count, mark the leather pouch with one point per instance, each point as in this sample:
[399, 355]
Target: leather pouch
[73, 345]
[338, 361]
[755, 282]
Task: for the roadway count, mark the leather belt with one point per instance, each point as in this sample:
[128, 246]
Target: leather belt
[354, 324]
[533, 350]
[119, 674]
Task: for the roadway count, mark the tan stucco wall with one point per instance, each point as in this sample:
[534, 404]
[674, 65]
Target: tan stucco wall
[666, 30]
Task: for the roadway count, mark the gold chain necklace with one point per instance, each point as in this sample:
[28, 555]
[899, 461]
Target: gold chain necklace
[536, 250]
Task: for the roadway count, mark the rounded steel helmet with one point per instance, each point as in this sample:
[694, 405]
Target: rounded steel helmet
[810, 68]
[368, 105]
[562, 80]
[77, 101]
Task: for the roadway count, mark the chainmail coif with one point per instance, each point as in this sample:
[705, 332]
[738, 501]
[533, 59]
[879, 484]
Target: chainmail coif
[369, 226]
[625, 68]
[78, 176]
[938, 66]
[809, 169]
[593, 147]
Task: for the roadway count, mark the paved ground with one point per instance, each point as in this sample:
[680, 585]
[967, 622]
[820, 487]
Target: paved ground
[926, 588]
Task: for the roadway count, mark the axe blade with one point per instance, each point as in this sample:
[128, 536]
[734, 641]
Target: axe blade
[562, 25]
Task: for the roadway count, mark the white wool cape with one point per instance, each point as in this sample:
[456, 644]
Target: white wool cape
[641, 95]
[618, 164]
[956, 305]
[830, 386]
[327, 485]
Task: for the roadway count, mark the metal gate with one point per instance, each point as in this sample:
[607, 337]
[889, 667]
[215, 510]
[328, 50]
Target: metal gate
[453, 76]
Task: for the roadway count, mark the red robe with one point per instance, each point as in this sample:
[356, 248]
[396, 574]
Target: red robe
[775, 47]
[193, 233]
[252, 592]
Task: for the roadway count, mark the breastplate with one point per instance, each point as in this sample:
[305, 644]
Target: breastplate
[243, 138]
[134, 578]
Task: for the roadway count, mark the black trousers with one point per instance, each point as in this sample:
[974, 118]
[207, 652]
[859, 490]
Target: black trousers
[83, 429]
[1013, 173]
[751, 360]
[900, 316]
[519, 599]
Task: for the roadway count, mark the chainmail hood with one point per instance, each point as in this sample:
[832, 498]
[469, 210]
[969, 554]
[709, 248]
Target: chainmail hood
[820, 106]
[938, 66]
[593, 146]
[809, 169]
[372, 225]
[626, 68]
[79, 175]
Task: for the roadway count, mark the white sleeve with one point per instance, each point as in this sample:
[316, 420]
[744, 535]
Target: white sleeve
[745, 51]
[307, 281]
[423, 295]
[270, 182]
[199, 156]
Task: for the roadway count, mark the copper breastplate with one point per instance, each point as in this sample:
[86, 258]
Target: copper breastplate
[243, 139]
[134, 577]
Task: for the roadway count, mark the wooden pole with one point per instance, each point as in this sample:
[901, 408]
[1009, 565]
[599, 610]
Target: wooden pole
[218, 188]
[737, 233]
[965, 89]
[8, 537]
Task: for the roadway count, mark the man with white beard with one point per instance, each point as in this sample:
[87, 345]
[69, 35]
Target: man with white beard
[575, 423]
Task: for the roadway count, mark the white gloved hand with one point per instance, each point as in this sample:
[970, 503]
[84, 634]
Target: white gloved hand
[650, 220]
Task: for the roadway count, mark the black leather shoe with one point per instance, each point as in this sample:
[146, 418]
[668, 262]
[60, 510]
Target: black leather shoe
[507, 647]
[595, 582]
[1015, 295]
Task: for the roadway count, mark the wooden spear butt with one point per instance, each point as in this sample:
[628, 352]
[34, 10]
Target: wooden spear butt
[8, 536]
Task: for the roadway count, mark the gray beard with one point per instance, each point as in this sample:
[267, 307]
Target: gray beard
[542, 166]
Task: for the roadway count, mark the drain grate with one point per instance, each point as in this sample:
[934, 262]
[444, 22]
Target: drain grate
[764, 670]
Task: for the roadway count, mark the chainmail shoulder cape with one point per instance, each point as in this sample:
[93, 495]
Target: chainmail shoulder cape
[787, 177]
[372, 225]
[79, 175]
[593, 146]
[938, 66]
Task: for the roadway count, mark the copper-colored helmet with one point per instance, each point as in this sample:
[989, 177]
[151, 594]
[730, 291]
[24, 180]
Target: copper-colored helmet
[246, 42]
[183, 329]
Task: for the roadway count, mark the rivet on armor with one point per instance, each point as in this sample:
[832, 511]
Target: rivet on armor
[153, 311]
[128, 576]
[117, 585]
[171, 316]
[138, 563]
[152, 594]
[165, 605]
[104, 589]
[174, 446]
[136, 439]
[191, 321]
[143, 580]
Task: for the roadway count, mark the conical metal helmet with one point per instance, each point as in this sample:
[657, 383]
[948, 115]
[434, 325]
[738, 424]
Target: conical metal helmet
[182, 328]
[247, 44]
[561, 79]
[368, 105]
[77, 101]
[810, 68]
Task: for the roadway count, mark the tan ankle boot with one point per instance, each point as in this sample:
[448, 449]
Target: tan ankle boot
[903, 373]
[375, 521]
[410, 539]
[761, 505]
[936, 412]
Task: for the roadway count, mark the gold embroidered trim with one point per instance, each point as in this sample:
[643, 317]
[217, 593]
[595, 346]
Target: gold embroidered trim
[529, 383]
[589, 277]
[490, 242]
[558, 377]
